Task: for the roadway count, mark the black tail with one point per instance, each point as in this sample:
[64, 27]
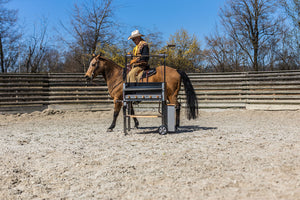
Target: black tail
[191, 97]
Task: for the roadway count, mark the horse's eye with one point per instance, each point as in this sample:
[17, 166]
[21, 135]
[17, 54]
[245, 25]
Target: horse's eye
[94, 65]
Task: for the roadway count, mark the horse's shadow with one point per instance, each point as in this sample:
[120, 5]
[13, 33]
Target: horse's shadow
[180, 130]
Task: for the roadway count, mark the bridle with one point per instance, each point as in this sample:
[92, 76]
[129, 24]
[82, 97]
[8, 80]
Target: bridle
[96, 65]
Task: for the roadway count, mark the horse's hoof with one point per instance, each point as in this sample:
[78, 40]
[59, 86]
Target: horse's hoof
[136, 126]
[109, 130]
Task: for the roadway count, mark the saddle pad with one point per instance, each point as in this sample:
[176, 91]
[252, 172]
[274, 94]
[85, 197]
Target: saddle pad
[148, 73]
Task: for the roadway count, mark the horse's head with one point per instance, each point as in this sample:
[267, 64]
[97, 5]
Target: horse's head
[96, 67]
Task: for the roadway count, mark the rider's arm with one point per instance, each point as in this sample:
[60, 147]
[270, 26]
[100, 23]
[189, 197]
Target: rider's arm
[145, 53]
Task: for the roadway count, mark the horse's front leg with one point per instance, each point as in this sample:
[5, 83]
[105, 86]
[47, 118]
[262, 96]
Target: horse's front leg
[117, 108]
[136, 122]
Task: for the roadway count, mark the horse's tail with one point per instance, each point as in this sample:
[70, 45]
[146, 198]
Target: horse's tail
[191, 97]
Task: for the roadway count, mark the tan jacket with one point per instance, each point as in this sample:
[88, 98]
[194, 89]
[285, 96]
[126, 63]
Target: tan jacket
[142, 49]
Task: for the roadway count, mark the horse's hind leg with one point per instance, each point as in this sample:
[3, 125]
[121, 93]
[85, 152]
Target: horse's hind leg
[117, 109]
[173, 100]
[177, 112]
[177, 107]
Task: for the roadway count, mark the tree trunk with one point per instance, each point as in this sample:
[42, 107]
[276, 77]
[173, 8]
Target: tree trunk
[1, 57]
[255, 58]
[255, 36]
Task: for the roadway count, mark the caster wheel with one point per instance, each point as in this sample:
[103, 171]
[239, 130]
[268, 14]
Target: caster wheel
[162, 130]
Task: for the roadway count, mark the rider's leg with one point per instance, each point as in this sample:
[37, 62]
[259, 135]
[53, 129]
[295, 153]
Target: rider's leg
[132, 75]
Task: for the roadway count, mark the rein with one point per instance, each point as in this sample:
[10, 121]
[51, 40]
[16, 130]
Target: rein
[111, 89]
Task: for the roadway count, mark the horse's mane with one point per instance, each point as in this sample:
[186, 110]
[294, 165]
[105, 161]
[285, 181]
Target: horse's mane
[111, 61]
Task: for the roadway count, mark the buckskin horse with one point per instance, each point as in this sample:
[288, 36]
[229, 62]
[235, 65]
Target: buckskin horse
[113, 75]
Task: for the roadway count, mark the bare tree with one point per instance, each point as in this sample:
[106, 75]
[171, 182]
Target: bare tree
[9, 38]
[251, 24]
[292, 9]
[51, 61]
[73, 60]
[91, 27]
[285, 54]
[223, 54]
[35, 49]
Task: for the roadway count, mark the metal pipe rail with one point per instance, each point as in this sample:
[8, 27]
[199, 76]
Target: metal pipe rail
[149, 92]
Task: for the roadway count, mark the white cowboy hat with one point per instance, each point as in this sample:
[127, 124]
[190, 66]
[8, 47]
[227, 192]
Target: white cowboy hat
[134, 34]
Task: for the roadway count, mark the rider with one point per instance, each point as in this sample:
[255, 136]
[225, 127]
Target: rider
[140, 62]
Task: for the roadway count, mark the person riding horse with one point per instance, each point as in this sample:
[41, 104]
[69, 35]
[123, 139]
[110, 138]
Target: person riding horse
[140, 57]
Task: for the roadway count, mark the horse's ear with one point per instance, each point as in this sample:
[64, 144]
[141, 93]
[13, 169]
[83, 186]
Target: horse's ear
[97, 56]
[100, 56]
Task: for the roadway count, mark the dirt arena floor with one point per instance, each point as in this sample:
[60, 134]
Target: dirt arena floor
[231, 154]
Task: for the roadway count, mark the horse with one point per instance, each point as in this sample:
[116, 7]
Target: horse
[113, 75]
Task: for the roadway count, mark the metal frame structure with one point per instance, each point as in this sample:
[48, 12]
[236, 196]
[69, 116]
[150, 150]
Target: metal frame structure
[149, 92]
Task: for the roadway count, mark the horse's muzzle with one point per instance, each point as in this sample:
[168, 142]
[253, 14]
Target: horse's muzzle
[88, 78]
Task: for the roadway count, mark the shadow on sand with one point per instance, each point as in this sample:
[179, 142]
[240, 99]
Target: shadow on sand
[180, 130]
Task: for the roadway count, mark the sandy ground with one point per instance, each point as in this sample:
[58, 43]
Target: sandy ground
[233, 154]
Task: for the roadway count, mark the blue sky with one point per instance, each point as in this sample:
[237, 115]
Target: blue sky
[198, 17]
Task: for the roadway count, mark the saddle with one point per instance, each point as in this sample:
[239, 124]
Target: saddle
[143, 74]
[147, 73]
